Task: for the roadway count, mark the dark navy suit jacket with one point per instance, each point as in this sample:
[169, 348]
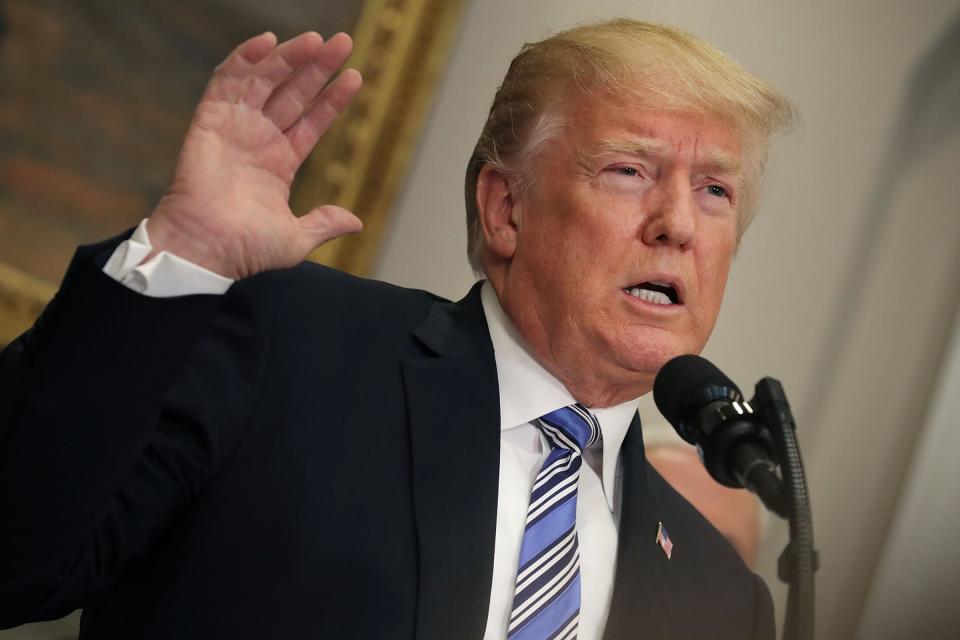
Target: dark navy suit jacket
[309, 455]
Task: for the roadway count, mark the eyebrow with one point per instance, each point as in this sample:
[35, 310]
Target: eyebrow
[643, 147]
[722, 161]
[715, 160]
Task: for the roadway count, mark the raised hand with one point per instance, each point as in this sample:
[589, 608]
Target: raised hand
[264, 109]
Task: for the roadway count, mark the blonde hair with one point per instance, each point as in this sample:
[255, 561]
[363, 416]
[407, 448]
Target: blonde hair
[663, 67]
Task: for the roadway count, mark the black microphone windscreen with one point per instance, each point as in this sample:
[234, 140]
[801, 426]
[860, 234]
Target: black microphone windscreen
[682, 379]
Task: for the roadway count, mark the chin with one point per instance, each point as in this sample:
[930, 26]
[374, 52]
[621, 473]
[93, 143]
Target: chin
[649, 356]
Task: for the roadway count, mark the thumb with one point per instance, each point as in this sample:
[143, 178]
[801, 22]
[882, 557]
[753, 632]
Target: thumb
[326, 223]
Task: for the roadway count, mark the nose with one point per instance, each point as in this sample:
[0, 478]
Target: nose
[671, 213]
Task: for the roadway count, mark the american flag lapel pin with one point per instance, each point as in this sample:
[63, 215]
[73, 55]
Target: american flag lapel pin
[663, 539]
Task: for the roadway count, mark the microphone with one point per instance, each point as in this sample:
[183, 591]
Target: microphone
[707, 409]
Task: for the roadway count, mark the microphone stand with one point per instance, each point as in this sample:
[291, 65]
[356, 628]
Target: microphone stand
[753, 445]
[799, 561]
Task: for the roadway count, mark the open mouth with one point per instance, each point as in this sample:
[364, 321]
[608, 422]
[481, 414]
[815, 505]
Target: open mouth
[654, 292]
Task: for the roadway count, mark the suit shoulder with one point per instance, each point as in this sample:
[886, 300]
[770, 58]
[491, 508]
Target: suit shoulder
[310, 288]
[342, 315]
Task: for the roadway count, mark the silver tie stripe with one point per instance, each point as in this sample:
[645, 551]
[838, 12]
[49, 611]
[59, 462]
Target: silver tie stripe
[546, 603]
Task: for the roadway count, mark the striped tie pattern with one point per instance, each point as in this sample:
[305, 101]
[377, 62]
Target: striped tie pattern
[546, 602]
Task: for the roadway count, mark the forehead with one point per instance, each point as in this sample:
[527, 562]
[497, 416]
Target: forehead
[607, 124]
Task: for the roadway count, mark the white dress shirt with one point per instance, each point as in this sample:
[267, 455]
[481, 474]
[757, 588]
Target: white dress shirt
[527, 391]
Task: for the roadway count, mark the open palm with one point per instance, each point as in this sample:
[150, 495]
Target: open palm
[263, 110]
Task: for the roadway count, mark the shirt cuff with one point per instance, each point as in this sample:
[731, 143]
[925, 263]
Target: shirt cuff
[165, 275]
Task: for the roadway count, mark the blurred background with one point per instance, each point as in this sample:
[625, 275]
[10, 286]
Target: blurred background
[846, 287]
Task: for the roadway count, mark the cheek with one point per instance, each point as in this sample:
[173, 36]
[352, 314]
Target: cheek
[713, 279]
[572, 254]
[718, 283]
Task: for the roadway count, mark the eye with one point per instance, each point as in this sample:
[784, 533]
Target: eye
[717, 190]
[626, 171]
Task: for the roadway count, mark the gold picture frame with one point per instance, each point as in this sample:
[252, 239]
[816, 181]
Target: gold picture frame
[399, 47]
[22, 298]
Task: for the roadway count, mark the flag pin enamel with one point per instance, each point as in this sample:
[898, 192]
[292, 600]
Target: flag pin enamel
[663, 539]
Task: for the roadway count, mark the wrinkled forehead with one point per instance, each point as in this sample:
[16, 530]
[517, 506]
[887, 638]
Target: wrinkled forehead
[598, 124]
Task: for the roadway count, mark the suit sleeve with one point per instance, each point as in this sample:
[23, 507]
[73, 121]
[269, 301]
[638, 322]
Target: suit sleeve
[116, 410]
[766, 627]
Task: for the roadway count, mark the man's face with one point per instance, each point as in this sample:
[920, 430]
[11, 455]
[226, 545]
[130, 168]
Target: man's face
[623, 244]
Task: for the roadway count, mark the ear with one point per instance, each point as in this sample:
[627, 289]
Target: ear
[499, 211]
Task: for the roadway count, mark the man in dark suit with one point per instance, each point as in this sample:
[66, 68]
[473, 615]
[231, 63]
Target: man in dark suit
[204, 438]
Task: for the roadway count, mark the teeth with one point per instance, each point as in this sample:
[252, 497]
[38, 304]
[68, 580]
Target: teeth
[649, 296]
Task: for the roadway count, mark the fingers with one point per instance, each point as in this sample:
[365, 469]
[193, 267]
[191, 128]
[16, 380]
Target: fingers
[289, 101]
[248, 54]
[281, 65]
[254, 69]
[228, 78]
[326, 223]
[322, 112]
[285, 81]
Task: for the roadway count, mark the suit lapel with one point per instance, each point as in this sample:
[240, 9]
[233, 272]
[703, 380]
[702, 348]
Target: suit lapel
[641, 605]
[454, 416]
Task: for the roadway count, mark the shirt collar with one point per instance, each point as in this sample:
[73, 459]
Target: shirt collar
[528, 391]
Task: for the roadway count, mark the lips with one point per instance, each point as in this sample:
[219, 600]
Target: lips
[655, 292]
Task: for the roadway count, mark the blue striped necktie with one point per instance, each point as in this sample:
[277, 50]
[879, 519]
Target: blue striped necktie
[546, 601]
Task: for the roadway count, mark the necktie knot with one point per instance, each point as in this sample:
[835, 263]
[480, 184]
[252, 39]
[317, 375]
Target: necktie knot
[572, 428]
